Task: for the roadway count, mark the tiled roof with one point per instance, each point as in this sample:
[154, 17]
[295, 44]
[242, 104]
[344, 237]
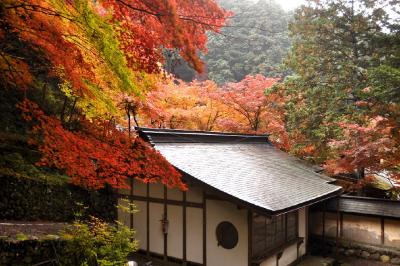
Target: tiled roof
[246, 167]
[363, 205]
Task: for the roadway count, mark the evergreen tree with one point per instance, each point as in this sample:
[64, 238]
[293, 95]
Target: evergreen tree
[345, 53]
[254, 42]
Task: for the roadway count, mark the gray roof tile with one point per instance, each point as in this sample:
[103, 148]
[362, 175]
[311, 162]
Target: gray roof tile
[253, 171]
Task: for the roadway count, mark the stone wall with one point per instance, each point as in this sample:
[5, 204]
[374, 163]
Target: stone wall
[327, 247]
[358, 228]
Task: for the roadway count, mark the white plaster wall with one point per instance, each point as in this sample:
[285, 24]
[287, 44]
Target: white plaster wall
[156, 190]
[175, 231]
[174, 194]
[156, 234]
[362, 229]
[392, 233]
[219, 211]
[303, 212]
[331, 219]
[271, 261]
[139, 223]
[357, 228]
[139, 188]
[289, 255]
[194, 234]
[194, 194]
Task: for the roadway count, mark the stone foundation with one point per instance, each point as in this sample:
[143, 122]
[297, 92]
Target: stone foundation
[327, 247]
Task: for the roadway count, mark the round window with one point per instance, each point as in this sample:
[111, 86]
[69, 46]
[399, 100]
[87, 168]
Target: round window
[227, 235]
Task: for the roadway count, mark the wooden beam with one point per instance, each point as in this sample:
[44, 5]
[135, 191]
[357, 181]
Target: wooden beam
[184, 229]
[341, 224]
[278, 257]
[204, 229]
[323, 229]
[148, 219]
[307, 213]
[166, 217]
[168, 201]
[250, 236]
[297, 223]
[382, 230]
[337, 228]
[285, 226]
[131, 201]
[265, 231]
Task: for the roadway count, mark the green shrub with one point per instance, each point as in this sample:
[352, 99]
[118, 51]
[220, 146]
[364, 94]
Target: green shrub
[96, 242]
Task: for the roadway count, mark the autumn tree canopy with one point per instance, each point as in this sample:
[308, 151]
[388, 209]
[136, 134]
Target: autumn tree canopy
[248, 106]
[71, 65]
[344, 97]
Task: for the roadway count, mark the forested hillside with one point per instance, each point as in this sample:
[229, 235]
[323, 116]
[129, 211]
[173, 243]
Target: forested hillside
[338, 104]
[255, 41]
[76, 77]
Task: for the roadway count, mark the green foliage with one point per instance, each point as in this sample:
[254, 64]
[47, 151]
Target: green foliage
[31, 199]
[341, 50]
[83, 243]
[21, 237]
[254, 42]
[103, 35]
[97, 243]
[127, 206]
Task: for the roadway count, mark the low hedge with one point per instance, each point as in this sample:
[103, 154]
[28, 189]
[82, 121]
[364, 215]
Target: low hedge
[32, 200]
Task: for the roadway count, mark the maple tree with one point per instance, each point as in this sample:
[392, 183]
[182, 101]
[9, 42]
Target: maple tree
[249, 106]
[371, 146]
[85, 155]
[82, 64]
[183, 105]
[172, 24]
[256, 108]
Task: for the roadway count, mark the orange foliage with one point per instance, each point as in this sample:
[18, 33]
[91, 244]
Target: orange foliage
[97, 50]
[372, 147]
[39, 23]
[189, 106]
[98, 154]
[146, 26]
[237, 107]
[254, 110]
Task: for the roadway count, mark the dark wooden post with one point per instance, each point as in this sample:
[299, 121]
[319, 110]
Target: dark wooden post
[278, 257]
[204, 230]
[148, 219]
[337, 228]
[323, 228]
[382, 230]
[341, 224]
[250, 236]
[165, 217]
[131, 201]
[184, 228]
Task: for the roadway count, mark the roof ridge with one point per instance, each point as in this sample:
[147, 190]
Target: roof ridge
[198, 132]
